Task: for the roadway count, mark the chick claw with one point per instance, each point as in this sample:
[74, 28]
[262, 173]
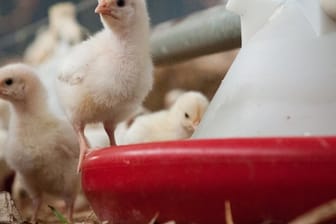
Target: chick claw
[81, 158]
[83, 145]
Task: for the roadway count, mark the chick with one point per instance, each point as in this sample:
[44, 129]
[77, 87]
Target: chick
[41, 148]
[179, 122]
[63, 28]
[108, 76]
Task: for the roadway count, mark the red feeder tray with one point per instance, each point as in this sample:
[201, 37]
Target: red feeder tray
[264, 179]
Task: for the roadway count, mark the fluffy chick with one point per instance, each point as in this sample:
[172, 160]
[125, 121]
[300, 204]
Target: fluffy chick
[179, 122]
[108, 76]
[41, 148]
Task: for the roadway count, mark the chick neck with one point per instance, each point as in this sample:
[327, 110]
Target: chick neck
[34, 104]
[138, 31]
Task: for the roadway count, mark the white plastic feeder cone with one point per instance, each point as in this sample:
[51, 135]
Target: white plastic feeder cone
[283, 81]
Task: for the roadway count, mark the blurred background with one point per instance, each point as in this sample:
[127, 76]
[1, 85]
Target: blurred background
[20, 19]
[24, 24]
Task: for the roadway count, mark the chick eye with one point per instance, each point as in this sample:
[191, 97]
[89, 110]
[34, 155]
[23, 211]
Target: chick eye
[186, 115]
[9, 82]
[120, 3]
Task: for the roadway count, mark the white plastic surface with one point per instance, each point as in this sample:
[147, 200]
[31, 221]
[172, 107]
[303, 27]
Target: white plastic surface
[283, 81]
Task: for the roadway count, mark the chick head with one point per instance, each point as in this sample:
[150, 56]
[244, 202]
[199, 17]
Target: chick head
[62, 20]
[189, 109]
[17, 82]
[121, 12]
[61, 11]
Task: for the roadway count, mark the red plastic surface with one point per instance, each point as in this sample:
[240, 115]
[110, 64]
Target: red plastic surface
[274, 179]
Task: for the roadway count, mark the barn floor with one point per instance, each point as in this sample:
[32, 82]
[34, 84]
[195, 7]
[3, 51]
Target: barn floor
[21, 210]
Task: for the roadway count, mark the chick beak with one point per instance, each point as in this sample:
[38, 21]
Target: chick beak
[195, 124]
[103, 8]
[3, 91]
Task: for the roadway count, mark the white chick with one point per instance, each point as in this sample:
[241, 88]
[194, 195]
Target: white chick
[41, 148]
[108, 76]
[179, 122]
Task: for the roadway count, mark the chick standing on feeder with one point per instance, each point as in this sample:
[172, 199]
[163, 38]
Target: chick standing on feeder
[41, 148]
[108, 76]
[179, 122]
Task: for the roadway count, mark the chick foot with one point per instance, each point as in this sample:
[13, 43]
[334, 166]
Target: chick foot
[83, 144]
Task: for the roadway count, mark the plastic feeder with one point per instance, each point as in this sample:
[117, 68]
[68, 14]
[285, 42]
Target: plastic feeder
[266, 179]
[281, 84]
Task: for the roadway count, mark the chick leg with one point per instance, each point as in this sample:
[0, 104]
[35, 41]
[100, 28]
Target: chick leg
[35, 195]
[37, 201]
[109, 128]
[83, 144]
[69, 204]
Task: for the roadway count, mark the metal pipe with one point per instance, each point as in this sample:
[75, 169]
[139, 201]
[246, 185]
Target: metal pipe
[209, 31]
